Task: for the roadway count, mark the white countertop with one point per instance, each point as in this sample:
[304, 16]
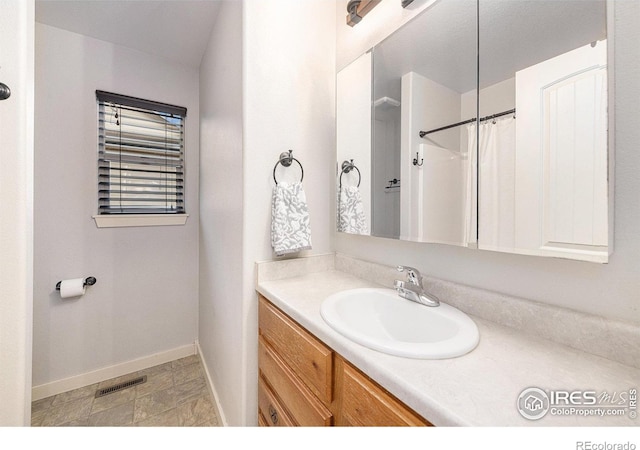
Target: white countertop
[477, 389]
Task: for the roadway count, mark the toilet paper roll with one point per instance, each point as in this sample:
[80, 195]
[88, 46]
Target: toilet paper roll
[72, 288]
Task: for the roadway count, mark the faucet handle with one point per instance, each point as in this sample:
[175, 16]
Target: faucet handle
[408, 269]
[413, 274]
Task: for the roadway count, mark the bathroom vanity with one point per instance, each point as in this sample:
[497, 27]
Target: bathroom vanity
[309, 374]
[304, 382]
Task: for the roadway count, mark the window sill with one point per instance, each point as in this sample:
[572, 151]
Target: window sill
[139, 220]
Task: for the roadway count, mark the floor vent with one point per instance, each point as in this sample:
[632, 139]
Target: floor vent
[121, 386]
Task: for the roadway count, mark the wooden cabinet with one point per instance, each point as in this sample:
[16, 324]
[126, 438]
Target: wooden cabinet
[310, 359]
[271, 412]
[365, 403]
[305, 383]
[304, 408]
[295, 370]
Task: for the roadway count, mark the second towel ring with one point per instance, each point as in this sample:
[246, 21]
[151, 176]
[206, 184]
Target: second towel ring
[348, 167]
[286, 159]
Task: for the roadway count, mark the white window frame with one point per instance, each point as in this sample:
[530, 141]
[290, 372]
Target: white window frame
[122, 219]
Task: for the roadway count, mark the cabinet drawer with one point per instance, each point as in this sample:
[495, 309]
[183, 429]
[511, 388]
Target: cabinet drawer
[366, 404]
[310, 359]
[294, 396]
[270, 410]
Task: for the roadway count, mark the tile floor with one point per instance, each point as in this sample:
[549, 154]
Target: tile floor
[175, 394]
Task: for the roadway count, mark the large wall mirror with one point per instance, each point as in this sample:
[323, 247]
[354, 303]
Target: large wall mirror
[482, 124]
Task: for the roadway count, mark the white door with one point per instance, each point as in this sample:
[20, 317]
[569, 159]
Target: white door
[561, 156]
[16, 210]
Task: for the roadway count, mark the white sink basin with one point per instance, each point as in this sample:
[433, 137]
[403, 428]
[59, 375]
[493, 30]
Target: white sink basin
[382, 320]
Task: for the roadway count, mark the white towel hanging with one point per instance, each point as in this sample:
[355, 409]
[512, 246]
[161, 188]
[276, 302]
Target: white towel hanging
[351, 211]
[290, 231]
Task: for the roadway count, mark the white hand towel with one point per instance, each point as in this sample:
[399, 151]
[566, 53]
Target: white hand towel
[350, 211]
[290, 231]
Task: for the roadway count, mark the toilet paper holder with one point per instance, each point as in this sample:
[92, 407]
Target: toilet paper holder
[89, 281]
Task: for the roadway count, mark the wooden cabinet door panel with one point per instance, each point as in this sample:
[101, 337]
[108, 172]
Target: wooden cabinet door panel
[270, 409]
[364, 403]
[304, 407]
[309, 358]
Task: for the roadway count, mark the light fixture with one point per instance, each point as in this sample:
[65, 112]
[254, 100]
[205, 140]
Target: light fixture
[357, 9]
[352, 8]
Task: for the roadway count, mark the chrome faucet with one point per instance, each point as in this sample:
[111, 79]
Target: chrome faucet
[412, 289]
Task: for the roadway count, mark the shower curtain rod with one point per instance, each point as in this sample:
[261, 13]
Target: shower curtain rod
[493, 116]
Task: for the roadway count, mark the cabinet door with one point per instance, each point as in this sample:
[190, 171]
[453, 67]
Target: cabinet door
[271, 413]
[364, 403]
[304, 407]
[309, 358]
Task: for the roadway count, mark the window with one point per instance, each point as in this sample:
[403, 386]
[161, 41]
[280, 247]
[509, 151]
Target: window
[140, 157]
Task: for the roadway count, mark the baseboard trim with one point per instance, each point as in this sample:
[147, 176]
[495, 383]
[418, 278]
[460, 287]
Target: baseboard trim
[106, 373]
[212, 388]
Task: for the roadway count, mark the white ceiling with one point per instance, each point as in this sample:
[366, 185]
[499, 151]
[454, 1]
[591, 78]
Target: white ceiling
[441, 42]
[175, 29]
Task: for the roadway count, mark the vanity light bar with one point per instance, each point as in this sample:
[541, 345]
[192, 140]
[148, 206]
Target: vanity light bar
[357, 9]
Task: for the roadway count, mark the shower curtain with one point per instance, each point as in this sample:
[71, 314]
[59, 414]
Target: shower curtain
[490, 191]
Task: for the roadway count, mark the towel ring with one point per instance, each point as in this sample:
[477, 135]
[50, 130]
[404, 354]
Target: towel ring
[286, 159]
[348, 167]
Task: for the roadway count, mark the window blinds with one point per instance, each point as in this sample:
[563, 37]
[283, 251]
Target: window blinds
[140, 156]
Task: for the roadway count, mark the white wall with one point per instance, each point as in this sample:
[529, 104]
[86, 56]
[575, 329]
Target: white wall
[386, 17]
[16, 204]
[493, 99]
[385, 167]
[289, 103]
[146, 297]
[608, 290]
[268, 85]
[437, 184]
[221, 331]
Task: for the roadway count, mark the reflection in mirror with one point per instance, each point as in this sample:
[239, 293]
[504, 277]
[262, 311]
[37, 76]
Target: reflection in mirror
[423, 75]
[353, 146]
[523, 167]
[542, 187]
